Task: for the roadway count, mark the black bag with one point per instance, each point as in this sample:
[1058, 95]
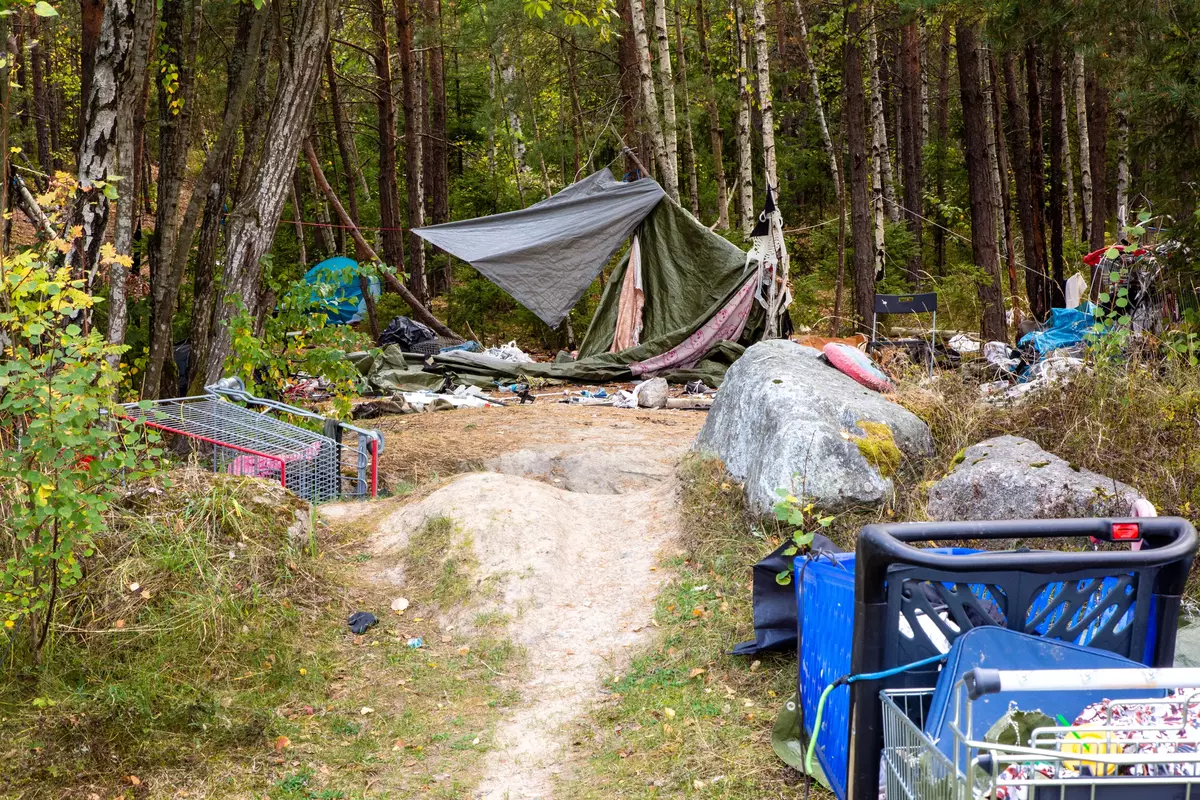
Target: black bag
[406, 333]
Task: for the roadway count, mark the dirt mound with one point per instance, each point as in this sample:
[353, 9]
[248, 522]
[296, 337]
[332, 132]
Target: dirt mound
[574, 574]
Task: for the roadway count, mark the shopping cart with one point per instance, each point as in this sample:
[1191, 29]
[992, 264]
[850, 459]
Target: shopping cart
[1145, 747]
[238, 433]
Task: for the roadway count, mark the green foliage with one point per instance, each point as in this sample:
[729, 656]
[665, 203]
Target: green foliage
[295, 340]
[804, 521]
[64, 448]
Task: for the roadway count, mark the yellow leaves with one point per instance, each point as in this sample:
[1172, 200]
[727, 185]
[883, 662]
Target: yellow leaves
[282, 744]
[10, 624]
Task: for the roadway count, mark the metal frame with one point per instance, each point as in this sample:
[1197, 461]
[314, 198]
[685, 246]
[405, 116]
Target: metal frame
[906, 304]
[243, 441]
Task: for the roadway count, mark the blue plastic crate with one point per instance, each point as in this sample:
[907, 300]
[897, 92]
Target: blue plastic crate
[825, 603]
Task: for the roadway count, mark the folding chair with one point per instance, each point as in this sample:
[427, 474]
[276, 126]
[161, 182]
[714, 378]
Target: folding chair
[905, 304]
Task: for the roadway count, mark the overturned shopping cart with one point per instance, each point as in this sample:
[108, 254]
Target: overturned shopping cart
[237, 433]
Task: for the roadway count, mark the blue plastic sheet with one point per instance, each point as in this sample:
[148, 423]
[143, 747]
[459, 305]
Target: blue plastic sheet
[345, 305]
[1066, 327]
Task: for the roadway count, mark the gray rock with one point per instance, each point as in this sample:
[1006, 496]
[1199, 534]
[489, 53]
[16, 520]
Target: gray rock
[653, 393]
[1013, 478]
[785, 418]
[609, 471]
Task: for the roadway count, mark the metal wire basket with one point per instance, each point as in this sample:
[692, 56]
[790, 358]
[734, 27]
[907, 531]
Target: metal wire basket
[239, 434]
[1139, 748]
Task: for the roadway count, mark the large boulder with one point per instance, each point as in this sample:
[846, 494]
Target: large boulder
[785, 418]
[1013, 478]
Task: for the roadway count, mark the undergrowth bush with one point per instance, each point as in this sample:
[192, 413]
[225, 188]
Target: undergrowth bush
[192, 624]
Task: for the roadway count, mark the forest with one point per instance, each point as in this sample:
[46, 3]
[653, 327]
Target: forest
[192, 159]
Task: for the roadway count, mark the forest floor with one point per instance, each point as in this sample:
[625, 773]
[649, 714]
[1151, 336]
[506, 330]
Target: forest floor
[556, 546]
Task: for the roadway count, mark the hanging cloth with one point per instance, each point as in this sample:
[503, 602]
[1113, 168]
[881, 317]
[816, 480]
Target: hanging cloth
[628, 331]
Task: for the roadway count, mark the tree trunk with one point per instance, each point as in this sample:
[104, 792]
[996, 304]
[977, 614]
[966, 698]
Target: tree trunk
[438, 174]
[1068, 167]
[1097, 111]
[129, 95]
[1058, 135]
[413, 163]
[689, 144]
[814, 83]
[983, 215]
[98, 137]
[1002, 163]
[765, 105]
[251, 226]
[854, 122]
[547, 188]
[880, 153]
[649, 99]
[912, 137]
[341, 137]
[942, 151]
[41, 104]
[1039, 302]
[1085, 149]
[666, 82]
[208, 271]
[630, 85]
[389, 189]
[716, 135]
[745, 178]
[1122, 169]
[91, 14]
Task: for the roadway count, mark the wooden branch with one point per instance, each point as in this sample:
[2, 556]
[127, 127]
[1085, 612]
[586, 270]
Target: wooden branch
[419, 311]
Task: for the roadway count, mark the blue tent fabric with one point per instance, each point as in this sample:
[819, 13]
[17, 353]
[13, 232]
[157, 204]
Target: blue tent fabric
[1066, 327]
[345, 305]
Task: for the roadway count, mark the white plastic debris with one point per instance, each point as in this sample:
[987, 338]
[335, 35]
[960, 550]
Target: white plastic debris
[961, 343]
[509, 352]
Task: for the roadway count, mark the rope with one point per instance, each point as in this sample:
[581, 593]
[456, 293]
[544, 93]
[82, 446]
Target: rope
[846, 680]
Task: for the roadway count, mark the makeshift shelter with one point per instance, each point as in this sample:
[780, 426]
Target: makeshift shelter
[682, 302]
[346, 304]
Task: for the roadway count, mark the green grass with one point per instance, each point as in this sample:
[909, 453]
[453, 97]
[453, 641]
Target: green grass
[440, 562]
[686, 719]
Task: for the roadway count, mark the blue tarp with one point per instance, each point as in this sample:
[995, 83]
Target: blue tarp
[344, 304]
[1065, 328]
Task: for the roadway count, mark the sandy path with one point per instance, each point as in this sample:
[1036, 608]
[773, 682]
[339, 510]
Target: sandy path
[575, 571]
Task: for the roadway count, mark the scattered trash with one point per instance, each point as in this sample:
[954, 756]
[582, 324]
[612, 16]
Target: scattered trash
[361, 620]
[509, 352]
[416, 642]
[400, 605]
[466, 347]
[406, 333]
[961, 343]
[599, 393]
[999, 354]
[858, 365]
[696, 387]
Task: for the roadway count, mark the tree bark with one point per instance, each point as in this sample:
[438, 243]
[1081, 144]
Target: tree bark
[1068, 167]
[1085, 149]
[1122, 169]
[666, 82]
[745, 178]
[689, 144]
[1058, 135]
[1097, 111]
[389, 190]
[630, 85]
[129, 94]
[1002, 163]
[98, 137]
[438, 174]
[854, 122]
[413, 162]
[983, 215]
[251, 226]
[716, 135]
[419, 311]
[911, 135]
[765, 105]
[1039, 301]
[41, 104]
[942, 151]
[91, 15]
[880, 153]
[649, 99]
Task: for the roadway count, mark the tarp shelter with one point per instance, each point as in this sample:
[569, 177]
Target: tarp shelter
[344, 304]
[684, 297]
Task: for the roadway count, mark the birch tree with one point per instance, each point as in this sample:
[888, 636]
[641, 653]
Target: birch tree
[1085, 149]
[880, 154]
[745, 176]
[666, 81]
[765, 105]
[689, 144]
[716, 134]
[670, 180]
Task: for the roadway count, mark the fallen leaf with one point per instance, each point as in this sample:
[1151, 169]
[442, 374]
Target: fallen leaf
[366, 710]
[698, 611]
[119, 623]
[400, 604]
[398, 744]
[670, 712]
[134, 780]
[696, 672]
[282, 743]
[462, 651]
[145, 594]
[755, 665]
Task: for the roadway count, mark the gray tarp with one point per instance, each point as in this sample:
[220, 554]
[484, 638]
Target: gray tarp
[547, 255]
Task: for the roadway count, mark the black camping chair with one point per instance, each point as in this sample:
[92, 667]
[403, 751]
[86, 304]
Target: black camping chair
[904, 304]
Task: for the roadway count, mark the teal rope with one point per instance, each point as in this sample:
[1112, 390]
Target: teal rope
[845, 680]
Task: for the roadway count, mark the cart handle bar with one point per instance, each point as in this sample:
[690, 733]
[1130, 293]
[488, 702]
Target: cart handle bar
[980, 681]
